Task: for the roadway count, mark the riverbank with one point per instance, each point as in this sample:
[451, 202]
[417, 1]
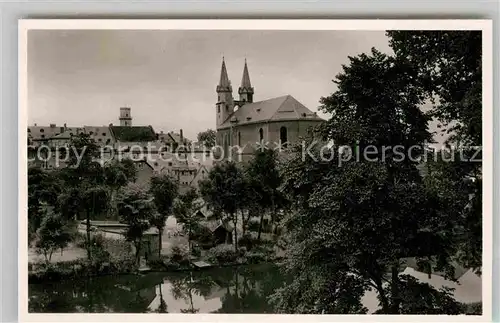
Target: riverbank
[176, 262]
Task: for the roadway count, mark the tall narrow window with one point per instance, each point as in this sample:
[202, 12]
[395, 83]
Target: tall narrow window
[261, 135]
[226, 145]
[283, 137]
[239, 138]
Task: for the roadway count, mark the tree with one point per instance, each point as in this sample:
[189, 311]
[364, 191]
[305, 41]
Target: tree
[354, 222]
[207, 137]
[54, 233]
[164, 189]
[84, 179]
[225, 191]
[43, 189]
[264, 181]
[136, 208]
[185, 207]
[117, 173]
[449, 65]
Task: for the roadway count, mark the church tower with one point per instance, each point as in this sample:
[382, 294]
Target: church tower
[225, 102]
[125, 117]
[246, 90]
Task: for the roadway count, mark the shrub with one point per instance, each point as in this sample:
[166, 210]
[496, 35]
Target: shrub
[223, 253]
[255, 257]
[195, 251]
[179, 256]
[125, 264]
[248, 242]
[80, 268]
[253, 226]
[472, 308]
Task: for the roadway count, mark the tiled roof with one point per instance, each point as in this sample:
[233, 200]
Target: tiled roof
[63, 135]
[47, 132]
[101, 134]
[133, 134]
[276, 109]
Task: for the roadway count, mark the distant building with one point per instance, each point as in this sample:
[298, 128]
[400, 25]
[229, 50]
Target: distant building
[125, 117]
[248, 124]
[144, 172]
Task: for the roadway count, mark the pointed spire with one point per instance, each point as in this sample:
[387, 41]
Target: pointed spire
[224, 79]
[245, 80]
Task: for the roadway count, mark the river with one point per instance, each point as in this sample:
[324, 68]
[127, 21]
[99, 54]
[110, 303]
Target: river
[242, 289]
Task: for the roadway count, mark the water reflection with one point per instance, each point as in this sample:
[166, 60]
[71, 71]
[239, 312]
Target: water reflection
[221, 290]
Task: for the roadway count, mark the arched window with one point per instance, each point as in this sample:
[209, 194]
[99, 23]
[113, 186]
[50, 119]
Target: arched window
[239, 138]
[218, 109]
[261, 135]
[283, 136]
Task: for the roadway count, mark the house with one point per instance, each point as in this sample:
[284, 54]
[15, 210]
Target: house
[144, 172]
[115, 243]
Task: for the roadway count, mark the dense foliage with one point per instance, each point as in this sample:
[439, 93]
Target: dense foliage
[359, 213]
[164, 189]
[207, 137]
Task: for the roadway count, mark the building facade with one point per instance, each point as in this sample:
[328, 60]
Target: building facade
[243, 126]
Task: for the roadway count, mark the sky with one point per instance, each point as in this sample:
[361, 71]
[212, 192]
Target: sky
[168, 78]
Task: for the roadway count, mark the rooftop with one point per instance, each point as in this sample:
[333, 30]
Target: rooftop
[133, 134]
[275, 109]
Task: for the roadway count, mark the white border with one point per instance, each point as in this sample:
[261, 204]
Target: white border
[253, 24]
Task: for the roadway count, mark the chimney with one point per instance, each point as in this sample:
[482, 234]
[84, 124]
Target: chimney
[182, 137]
[35, 124]
[65, 126]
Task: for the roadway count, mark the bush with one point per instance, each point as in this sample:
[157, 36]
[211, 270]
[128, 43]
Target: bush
[223, 254]
[195, 251]
[123, 265]
[255, 257]
[253, 226]
[79, 268]
[472, 308]
[179, 256]
[248, 242]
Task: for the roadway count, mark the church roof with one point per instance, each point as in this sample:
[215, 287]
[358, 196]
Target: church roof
[224, 82]
[277, 109]
[245, 80]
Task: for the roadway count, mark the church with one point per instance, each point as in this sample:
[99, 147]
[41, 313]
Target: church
[244, 125]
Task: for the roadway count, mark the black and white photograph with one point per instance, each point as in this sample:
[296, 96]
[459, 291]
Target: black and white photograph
[255, 170]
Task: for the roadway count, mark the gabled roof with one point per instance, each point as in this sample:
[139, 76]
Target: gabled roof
[276, 109]
[133, 134]
[177, 138]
